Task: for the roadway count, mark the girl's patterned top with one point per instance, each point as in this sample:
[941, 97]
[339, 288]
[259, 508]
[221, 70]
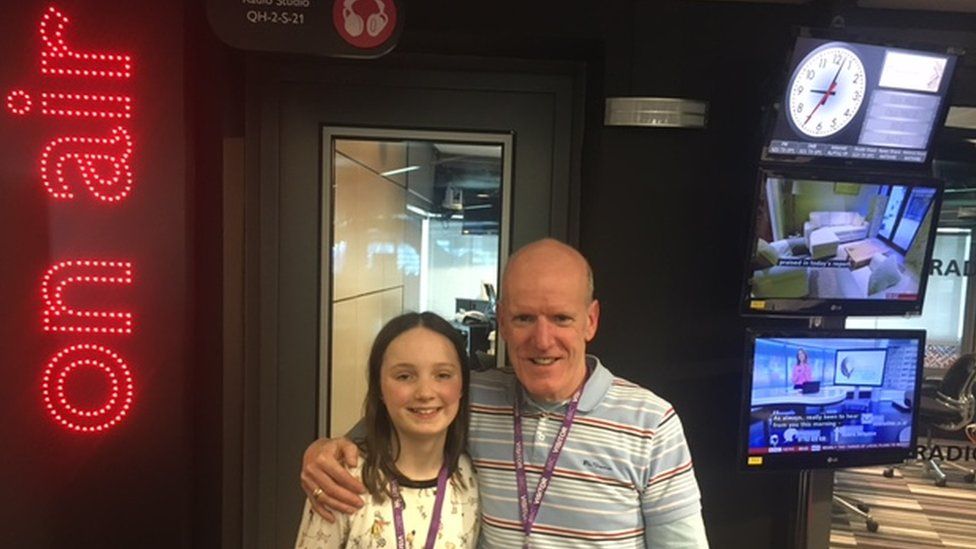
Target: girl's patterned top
[372, 525]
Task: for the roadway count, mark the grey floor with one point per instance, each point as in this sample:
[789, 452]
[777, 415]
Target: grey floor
[912, 512]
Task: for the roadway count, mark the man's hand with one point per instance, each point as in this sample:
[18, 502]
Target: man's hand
[324, 467]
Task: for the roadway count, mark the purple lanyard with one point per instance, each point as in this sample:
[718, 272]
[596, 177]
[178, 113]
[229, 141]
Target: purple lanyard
[435, 517]
[527, 511]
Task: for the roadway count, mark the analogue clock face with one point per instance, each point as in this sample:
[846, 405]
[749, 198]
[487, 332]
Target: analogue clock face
[826, 90]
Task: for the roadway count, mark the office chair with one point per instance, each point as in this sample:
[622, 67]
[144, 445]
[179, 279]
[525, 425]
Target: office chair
[947, 404]
[859, 508]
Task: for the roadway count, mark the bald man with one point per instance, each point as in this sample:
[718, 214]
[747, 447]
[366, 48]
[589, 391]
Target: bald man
[611, 456]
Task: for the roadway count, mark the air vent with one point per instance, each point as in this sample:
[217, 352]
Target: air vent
[655, 112]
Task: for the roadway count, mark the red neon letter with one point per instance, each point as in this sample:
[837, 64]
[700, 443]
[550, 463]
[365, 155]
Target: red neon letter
[72, 105]
[58, 59]
[103, 164]
[58, 317]
[86, 105]
[79, 357]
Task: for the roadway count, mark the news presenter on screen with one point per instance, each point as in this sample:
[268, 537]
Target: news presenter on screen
[802, 373]
[623, 476]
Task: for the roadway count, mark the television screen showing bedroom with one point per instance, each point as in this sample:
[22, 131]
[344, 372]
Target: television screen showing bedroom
[835, 241]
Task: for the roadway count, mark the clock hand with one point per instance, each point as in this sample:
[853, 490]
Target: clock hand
[820, 103]
[830, 91]
[833, 82]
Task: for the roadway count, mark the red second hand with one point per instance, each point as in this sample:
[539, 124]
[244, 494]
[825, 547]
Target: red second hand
[828, 93]
[830, 90]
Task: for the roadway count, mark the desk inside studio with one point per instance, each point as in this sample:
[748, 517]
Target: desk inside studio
[794, 397]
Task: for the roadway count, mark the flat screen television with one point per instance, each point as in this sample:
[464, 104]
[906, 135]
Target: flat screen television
[829, 419]
[840, 246]
[854, 103]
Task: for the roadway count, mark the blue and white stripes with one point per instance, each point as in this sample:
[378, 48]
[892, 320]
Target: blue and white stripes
[625, 467]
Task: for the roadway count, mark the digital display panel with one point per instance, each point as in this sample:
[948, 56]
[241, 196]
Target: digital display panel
[821, 399]
[844, 246]
[852, 103]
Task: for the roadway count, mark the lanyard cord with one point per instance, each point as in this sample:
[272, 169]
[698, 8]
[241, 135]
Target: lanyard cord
[435, 516]
[529, 511]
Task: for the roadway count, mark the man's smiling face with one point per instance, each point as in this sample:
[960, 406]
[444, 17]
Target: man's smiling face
[547, 316]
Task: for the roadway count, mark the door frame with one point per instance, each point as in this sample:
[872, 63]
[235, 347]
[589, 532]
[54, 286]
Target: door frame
[269, 360]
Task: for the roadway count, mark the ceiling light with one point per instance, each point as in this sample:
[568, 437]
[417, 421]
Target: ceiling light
[400, 170]
[419, 211]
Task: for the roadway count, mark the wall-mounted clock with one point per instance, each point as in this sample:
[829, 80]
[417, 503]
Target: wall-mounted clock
[826, 90]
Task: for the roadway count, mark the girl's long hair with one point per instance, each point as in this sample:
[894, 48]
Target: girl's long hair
[380, 459]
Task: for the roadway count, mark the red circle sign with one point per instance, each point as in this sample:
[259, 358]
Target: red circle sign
[365, 24]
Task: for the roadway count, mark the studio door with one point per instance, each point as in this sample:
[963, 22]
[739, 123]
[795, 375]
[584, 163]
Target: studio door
[284, 388]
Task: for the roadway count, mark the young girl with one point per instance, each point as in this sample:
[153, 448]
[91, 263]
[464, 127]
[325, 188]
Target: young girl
[422, 486]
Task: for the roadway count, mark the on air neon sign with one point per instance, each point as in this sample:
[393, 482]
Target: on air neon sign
[99, 161]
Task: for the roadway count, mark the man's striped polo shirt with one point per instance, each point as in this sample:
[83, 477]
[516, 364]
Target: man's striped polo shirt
[625, 466]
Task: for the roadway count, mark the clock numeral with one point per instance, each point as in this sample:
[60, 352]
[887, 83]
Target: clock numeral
[857, 95]
[847, 112]
[856, 78]
[799, 90]
[811, 74]
[833, 123]
[823, 62]
[838, 59]
[799, 107]
[819, 126]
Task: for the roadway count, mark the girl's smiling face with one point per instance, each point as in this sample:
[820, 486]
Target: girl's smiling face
[421, 383]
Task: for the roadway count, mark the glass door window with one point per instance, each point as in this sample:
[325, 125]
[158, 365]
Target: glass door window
[416, 225]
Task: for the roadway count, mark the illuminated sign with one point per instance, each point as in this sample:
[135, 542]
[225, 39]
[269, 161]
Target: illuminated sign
[86, 386]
